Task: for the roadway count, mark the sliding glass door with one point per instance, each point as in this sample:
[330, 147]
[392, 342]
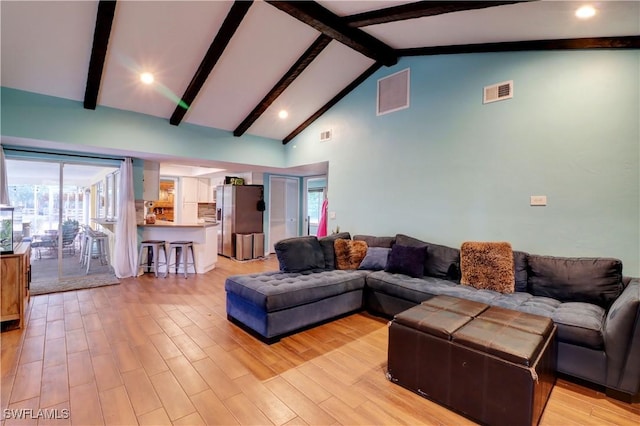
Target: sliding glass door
[57, 203]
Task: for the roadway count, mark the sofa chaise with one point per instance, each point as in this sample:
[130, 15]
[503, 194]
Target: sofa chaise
[595, 308]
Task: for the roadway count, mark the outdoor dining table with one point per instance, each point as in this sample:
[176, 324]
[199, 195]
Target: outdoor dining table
[48, 241]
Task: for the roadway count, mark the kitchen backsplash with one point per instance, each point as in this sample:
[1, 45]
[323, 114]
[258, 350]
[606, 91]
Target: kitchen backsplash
[206, 209]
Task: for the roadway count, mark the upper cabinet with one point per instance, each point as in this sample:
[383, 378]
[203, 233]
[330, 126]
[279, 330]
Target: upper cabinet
[205, 193]
[151, 181]
[189, 189]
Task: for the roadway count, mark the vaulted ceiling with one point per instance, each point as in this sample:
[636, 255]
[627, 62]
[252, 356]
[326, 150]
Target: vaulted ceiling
[236, 65]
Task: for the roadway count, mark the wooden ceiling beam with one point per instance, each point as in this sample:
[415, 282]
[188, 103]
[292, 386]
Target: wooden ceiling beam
[310, 12]
[344, 92]
[624, 42]
[296, 69]
[330, 24]
[231, 23]
[101, 34]
[418, 10]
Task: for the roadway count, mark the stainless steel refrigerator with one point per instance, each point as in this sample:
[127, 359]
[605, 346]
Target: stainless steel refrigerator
[239, 211]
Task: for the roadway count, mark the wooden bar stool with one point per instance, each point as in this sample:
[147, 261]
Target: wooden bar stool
[153, 256]
[182, 247]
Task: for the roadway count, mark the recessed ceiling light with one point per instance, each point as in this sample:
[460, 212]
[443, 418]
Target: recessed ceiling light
[585, 12]
[283, 114]
[146, 77]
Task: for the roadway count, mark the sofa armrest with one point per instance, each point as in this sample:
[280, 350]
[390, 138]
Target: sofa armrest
[622, 340]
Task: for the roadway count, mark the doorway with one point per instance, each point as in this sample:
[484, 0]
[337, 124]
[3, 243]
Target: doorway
[55, 202]
[315, 194]
[284, 209]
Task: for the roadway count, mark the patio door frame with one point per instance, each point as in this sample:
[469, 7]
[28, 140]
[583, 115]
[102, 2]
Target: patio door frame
[62, 160]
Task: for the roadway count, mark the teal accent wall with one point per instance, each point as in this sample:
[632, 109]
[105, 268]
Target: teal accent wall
[138, 176]
[32, 116]
[450, 169]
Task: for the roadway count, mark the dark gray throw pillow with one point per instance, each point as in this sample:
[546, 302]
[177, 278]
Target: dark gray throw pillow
[299, 254]
[520, 266]
[590, 280]
[406, 260]
[440, 262]
[443, 262]
[376, 259]
[327, 244]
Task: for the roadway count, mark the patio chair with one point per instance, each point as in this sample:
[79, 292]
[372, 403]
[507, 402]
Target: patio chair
[69, 234]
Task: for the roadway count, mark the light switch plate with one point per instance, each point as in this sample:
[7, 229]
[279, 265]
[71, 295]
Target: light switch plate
[332, 215]
[538, 200]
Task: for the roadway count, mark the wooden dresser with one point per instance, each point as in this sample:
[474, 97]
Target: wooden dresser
[15, 271]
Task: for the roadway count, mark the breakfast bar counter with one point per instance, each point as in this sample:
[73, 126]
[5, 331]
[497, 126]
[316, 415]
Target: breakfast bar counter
[204, 237]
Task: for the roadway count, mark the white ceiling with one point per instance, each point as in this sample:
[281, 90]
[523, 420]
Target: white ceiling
[537, 20]
[46, 48]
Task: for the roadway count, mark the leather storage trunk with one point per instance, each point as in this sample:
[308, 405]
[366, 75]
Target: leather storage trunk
[493, 365]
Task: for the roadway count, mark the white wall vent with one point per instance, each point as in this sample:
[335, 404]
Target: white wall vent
[393, 92]
[325, 136]
[498, 92]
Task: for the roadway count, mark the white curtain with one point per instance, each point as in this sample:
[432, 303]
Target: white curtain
[4, 185]
[126, 246]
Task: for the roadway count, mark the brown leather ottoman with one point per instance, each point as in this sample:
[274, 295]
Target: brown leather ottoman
[494, 365]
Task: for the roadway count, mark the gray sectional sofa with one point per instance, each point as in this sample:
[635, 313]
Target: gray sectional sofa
[596, 309]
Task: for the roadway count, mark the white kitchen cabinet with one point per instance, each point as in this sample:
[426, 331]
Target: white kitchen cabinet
[188, 211]
[189, 186]
[205, 193]
[151, 181]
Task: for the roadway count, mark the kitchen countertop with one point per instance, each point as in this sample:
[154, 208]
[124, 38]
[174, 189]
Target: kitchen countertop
[166, 224]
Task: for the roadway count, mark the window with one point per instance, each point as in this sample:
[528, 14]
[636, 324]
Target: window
[110, 202]
[116, 194]
[107, 191]
[101, 211]
[315, 197]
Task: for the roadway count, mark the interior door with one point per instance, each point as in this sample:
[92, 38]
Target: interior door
[315, 189]
[284, 209]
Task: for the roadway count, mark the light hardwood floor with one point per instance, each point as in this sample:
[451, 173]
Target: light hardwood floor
[160, 351]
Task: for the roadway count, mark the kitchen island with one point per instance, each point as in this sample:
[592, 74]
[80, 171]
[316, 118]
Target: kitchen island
[204, 237]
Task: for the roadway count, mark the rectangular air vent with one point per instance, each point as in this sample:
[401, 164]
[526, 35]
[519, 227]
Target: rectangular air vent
[393, 92]
[325, 136]
[498, 92]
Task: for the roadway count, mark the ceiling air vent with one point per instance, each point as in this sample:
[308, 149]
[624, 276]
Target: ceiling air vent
[393, 92]
[498, 92]
[325, 136]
